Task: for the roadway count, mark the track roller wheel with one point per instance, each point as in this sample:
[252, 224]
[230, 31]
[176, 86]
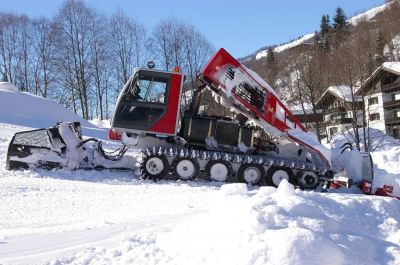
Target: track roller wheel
[218, 170]
[276, 174]
[185, 168]
[251, 173]
[308, 180]
[154, 167]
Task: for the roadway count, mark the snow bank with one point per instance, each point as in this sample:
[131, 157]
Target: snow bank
[267, 227]
[8, 86]
[25, 109]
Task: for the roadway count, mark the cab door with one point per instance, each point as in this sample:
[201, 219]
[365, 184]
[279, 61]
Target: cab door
[150, 103]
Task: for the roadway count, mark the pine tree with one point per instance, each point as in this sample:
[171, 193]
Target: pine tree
[339, 20]
[325, 25]
[341, 28]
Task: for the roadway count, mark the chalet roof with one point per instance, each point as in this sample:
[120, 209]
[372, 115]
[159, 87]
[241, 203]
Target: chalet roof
[297, 109]
[341, 92]
[391, 67]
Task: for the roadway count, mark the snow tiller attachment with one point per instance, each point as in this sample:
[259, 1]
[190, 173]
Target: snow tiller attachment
[61, 146]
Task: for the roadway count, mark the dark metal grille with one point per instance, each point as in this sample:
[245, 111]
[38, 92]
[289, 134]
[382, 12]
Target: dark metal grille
[252, 95]
[230, 73]
[37, 138]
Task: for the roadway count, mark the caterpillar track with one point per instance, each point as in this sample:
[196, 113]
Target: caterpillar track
[188, 164]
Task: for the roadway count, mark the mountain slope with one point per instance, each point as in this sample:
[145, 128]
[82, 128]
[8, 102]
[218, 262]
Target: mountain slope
[367, 15]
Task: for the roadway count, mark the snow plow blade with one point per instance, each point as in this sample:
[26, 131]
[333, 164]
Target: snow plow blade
[61, 146]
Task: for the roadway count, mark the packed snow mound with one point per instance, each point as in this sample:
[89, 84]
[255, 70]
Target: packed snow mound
[385, 155]
[28, 110]
[25, 109]
[8, 86]
[267, 226]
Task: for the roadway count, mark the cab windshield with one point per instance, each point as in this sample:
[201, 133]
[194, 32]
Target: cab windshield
[144, 100]
[148, 89]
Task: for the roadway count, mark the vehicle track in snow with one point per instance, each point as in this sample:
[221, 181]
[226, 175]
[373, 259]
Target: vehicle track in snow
[37, 248]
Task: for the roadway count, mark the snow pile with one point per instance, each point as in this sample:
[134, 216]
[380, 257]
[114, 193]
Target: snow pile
[25, 109]
[8, 86]
[267, 226]
[386, 157]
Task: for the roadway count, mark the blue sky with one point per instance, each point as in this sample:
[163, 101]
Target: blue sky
[241, 27]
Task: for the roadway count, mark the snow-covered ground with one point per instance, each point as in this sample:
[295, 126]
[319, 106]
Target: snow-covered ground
[110, 217]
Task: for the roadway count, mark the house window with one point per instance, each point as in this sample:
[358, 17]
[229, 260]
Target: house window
[372, 101]
[389, 79]
[374, 117]
[397, 113]
[396, 133]
[395, 97]
[333, 130]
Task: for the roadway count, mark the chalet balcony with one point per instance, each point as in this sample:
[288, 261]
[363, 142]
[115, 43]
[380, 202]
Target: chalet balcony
[339, 121]
[391, 87]
[392, 104]
[392, 121]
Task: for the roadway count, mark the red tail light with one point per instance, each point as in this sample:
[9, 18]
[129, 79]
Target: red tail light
[366, 187]
[113, 134]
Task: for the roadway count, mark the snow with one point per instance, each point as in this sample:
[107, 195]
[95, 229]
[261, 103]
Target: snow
[234, 189]
[392, 67]
[8, 86]
[394, 51]
[368, 15]
[286, 46]
[101, 123]
[386, 157]
[260, 80]
[25, 109]
[343, 92]
[112, 217]
[311, 140]
[296, 108]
